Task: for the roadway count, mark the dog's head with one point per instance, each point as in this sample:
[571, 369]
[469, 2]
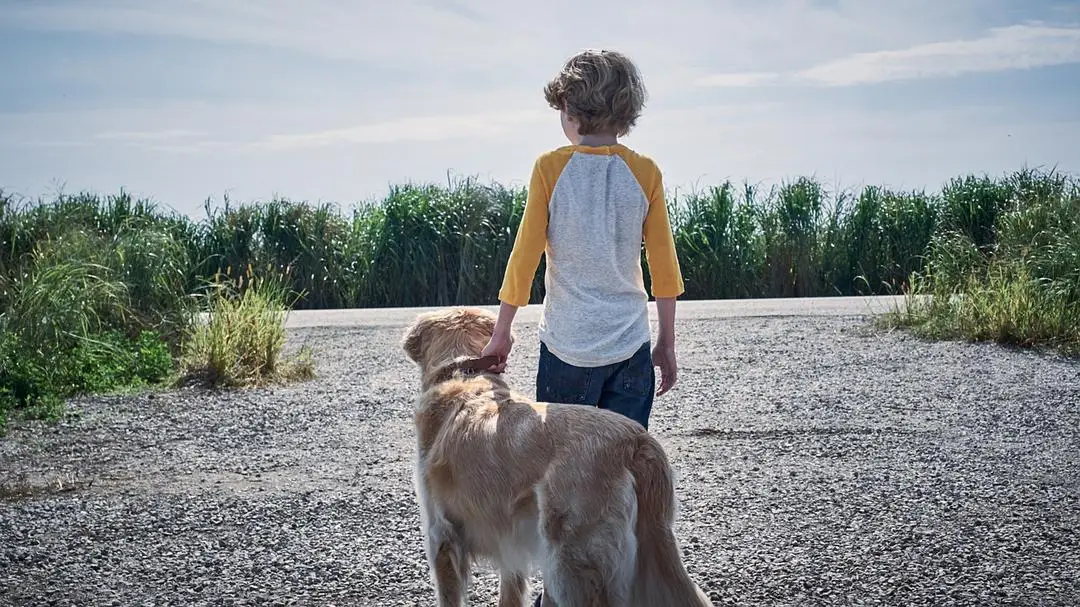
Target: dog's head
[443, 336]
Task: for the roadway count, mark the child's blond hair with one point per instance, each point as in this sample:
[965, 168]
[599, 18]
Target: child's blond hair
[602, 90]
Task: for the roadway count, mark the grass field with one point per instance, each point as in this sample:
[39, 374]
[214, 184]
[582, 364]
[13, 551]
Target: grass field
[99, 292]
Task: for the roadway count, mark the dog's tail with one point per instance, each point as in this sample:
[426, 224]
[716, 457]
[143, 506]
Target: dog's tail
[661, 578]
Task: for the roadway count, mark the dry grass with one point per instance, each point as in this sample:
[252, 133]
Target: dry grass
[240, 343]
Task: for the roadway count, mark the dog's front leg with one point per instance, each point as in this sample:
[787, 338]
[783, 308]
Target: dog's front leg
[447, 558]
[448, 562]
[512, 588]
[450, 569]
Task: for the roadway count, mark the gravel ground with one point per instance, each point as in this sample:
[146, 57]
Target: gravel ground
[819, 463]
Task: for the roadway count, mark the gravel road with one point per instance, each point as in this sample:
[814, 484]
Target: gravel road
[819, 462]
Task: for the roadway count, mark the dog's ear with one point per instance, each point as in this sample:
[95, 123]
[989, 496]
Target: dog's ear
[414, 340]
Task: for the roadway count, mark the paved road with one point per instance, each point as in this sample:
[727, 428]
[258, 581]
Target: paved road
[728, 308]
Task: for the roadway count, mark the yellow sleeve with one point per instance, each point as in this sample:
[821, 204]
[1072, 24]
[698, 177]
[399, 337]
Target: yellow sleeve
[529, 243]
[664, 271]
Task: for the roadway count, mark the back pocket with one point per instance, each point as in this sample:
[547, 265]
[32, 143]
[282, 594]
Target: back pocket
[559, 382]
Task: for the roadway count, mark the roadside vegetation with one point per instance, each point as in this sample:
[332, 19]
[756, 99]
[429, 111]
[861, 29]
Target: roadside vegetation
[106, 293]
[240, 343]
[101, 295]
[1003, 265]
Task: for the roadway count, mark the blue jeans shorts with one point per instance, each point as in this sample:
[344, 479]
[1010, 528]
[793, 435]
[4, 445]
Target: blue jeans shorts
[626, 387]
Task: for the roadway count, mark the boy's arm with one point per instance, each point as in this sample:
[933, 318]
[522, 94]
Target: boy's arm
[664, 271]
[504, 322]
[667, 282]
[664, 351]
[665, 313]
[529, 243]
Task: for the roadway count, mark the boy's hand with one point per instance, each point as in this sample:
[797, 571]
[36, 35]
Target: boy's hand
[664, 357]
[502, 340]
[500, 346]
[664, 352]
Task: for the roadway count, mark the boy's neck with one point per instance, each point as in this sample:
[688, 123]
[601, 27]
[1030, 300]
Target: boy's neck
[598, 139]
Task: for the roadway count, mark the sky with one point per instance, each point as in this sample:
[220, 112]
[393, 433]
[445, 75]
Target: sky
[332, 101]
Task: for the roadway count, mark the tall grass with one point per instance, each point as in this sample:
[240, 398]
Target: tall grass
[721, 250]
[1004, 264]
[96, 294]
[1000, 257]
[84, 311]
[799, 240]
[428, 244]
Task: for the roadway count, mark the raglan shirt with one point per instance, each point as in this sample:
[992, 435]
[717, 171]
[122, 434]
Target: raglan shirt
[588, 210]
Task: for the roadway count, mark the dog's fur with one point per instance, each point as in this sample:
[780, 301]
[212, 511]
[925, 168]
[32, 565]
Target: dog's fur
[584, 493]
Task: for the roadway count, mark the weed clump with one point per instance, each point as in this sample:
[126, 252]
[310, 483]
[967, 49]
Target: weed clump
[240, 343]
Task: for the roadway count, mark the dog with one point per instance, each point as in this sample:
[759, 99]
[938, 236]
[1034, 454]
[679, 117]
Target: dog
[582, 493]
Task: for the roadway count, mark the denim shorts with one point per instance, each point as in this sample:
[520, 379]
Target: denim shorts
[626, 387]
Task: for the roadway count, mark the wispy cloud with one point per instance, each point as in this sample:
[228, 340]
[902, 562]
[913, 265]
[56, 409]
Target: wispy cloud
[361, 31]
[1007, 48]
[424, 128]
[1024, 46]
[519, 42]
[148, 136]
[293, 95]
[476, 126]
[737, 79]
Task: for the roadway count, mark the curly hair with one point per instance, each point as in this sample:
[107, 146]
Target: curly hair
[601, 89]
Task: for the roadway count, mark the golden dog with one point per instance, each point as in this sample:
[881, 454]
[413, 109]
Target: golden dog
[584, 493]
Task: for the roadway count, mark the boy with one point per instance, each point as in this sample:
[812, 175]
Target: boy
[590, 205]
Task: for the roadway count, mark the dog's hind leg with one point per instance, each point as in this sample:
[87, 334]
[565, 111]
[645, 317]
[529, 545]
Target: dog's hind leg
[512, 588]
[591, 547]
[449, 562]
[596, 572]
[574, 582]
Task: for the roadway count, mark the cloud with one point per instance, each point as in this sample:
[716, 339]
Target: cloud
[365, 31]
[737, 79]
[1024, 46]
[293, 95]
[431, 128]
[423, 128]
[143, 136]
[520, 44]
[1008, 48]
